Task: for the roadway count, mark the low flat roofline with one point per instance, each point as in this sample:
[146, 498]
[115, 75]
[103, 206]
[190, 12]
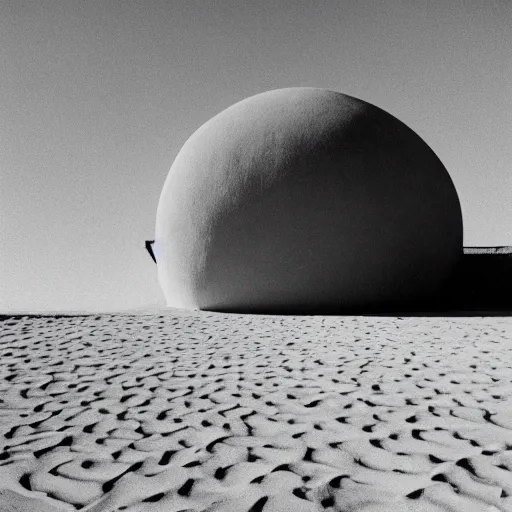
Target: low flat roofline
[488, 250]
[467, 250]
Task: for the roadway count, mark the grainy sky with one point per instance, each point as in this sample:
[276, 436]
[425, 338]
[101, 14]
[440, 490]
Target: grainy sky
[97, 97]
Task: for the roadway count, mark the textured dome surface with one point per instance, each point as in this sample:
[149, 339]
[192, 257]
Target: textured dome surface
[305, 199]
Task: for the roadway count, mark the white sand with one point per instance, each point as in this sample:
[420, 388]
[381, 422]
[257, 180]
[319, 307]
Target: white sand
[209, 412]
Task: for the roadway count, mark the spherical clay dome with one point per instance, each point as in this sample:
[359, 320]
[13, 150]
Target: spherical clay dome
[304, 199]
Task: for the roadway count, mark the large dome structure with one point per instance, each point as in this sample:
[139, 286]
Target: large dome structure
[302, 200]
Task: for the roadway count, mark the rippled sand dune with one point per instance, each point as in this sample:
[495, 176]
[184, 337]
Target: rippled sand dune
[172, 411]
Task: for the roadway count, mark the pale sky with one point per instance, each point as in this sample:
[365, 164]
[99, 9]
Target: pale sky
[97, 97]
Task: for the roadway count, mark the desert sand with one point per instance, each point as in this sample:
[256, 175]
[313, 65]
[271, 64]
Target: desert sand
[172, 411]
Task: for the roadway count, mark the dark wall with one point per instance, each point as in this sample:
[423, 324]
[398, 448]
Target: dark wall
[482, 281]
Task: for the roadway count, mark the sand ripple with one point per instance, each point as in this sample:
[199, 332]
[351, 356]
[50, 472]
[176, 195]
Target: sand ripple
[213, 412]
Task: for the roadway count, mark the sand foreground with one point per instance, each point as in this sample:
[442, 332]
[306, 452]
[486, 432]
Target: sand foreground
[173, 411]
